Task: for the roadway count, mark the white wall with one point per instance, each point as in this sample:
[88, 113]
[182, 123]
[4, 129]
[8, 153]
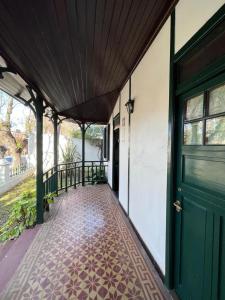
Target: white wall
[91, 152]
[149, 136]
[123, 176]
[116, 110]
[109, 172]
[191, 15]
[13, 181]
[148, 147]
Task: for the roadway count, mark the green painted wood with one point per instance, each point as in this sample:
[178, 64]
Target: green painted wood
[170, 165]
[210, 76]
[55, 125]
[199, 227]
[199, 68]
[83, 131]
[201, 33]
[39, 151]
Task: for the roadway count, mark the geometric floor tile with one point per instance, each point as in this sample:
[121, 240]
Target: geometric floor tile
[85, 250]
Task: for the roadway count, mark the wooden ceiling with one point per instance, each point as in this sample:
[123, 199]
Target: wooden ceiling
[78, 54]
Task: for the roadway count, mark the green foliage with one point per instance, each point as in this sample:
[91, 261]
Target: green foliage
[70, 153]
[8, 200]
[19, 146]
[94, 132]
[23, 215]
[76, 134]
[49, 198]
[99, 176]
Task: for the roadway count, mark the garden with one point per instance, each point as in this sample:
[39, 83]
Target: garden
[18, 210]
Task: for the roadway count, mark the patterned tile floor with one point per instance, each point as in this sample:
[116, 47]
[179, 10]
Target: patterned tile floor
[86, 250]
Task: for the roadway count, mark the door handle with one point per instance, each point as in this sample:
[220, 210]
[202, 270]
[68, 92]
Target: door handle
[177, 205]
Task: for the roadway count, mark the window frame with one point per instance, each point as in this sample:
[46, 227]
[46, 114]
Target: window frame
[206, 116]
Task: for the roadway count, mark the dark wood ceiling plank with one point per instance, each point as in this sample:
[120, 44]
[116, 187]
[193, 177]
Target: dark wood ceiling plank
[125, 14]
[143, 32]
[76, 52]
[38, 65]
[146, 10]
[98, 52]
[67, 61]
[112, 51]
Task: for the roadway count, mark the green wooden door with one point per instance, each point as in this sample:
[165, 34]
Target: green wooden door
[200, 194]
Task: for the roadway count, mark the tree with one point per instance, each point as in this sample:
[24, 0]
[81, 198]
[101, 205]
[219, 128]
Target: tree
[30, 124]
[8, 140]
[2, 151]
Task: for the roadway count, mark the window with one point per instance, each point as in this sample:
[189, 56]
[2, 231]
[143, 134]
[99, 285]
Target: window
[193, 133]
[217, 100]
[204, 118]
[194, 109]
[215, 131]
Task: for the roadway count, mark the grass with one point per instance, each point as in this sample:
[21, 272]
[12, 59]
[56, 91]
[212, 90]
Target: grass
[8, 200]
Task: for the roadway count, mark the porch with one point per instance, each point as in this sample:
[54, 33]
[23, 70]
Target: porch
[86, 249]
[155, 78]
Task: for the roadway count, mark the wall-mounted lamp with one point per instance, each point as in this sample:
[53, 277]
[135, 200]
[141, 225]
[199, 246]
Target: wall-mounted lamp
[130, 106]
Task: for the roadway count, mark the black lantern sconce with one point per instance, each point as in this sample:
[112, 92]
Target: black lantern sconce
[130, 106]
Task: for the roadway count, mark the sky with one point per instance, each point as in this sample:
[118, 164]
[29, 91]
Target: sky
[19, 114]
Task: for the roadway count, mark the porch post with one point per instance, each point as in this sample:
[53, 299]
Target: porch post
[39, 154]
[83, 152]
[170, 228]
[55, 125]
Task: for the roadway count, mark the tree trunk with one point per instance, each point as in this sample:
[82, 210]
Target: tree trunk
[7, 139]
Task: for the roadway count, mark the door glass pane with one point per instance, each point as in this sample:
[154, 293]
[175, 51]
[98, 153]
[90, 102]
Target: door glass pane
[217, 100]
[193, 133]
[194, 108]
[215, 131]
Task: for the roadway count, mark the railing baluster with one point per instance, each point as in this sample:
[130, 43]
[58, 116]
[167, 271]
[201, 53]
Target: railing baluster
[71, 176]
[79, 175]
[47, 182]
[92, 172]
[101, 171]
[66, 179]
[75, 175]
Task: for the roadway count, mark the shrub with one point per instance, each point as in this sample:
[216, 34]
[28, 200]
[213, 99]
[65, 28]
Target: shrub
[70, 153]
[99, 176]
[23, 215]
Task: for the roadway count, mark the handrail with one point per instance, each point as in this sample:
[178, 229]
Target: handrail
[66, 175]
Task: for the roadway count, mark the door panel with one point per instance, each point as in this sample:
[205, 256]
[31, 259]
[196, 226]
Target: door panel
[219, 259]
[200, 192]
[204, 173]
[193, 223]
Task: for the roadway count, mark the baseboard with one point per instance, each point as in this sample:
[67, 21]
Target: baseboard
[161, 275]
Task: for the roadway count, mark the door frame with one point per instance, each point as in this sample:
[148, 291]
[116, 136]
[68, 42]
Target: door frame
[213, 75]
[116, 125]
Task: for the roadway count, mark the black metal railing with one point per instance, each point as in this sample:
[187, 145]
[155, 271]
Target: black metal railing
[73, 174]
[50, 181]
